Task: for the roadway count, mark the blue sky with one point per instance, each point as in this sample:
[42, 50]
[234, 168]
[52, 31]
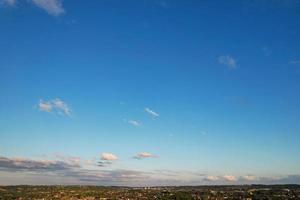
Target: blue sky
[148, 92]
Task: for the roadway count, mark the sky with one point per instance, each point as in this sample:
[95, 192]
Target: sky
[149, 92]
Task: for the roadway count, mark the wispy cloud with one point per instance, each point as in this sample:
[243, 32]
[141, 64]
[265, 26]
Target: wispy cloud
[108, 156]
[52, 7]
[228, 61]
[134, 123]
[151, 112]
[61, 107]
[56, 106]
[143, 155]
[8, 2]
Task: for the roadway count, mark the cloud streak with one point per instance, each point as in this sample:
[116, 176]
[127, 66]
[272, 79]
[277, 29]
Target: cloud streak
[143, 155]
[23, 164]
[151, 112]
[103, 163]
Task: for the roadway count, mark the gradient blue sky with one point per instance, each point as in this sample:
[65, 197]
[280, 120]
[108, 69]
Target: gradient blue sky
[222, 77]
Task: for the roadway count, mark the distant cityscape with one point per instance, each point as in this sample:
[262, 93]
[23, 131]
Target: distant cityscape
[247, 192]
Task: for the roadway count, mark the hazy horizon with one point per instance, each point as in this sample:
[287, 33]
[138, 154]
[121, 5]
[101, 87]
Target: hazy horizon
[149, 92]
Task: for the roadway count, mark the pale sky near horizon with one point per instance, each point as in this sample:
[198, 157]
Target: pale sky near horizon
[149, 92]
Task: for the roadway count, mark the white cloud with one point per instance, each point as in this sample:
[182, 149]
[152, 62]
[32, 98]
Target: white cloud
[108, 156]
[249, 178]
[61, 106]
[52, 7]
[8, 2]
[151, 112]
[212, 178]
[134, 123]
[229, 178]
[45, 106]
[228, 61]
[55, 106]
[143, 155]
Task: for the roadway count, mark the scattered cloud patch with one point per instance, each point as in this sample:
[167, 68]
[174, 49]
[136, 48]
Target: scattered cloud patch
[228, 61]
[108, 156]
[249, 178]
[143, 155]
[211, 178]
[151, 112]
[52, 7]
[288, 179]
[73, 160]
[229, 178]
[56, 106]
